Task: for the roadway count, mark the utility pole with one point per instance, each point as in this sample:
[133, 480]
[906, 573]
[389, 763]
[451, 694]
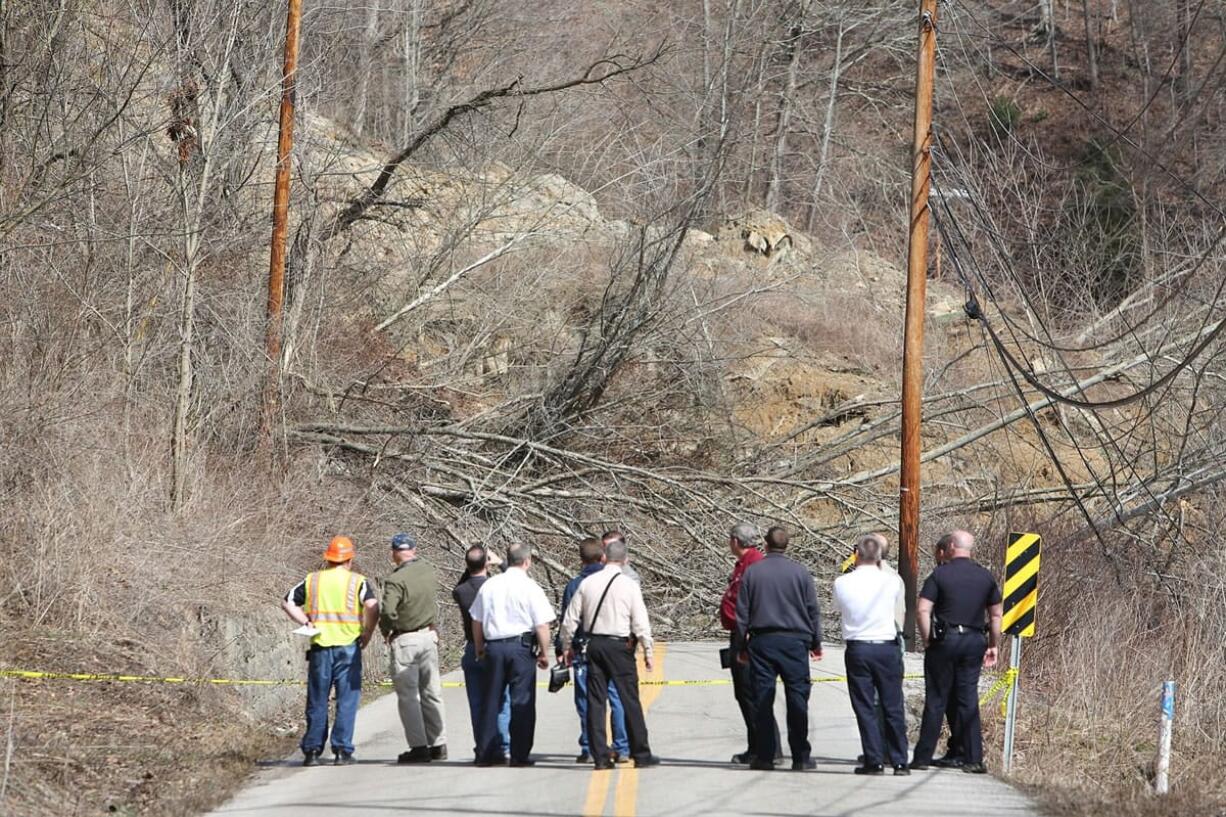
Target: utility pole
[913, 332]
[280, 224]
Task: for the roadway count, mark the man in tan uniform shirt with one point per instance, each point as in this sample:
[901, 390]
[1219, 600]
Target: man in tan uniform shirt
[610, 607]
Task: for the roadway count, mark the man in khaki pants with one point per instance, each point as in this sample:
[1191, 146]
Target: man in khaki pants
[407, 616]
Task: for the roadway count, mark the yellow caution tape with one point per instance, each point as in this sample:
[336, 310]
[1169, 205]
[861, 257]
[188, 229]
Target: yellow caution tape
[1003, 683]
[36, 675]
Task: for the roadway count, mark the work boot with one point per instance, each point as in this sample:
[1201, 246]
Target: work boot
[438, 752]
[310, 758]
[343, 759]
[418, 754]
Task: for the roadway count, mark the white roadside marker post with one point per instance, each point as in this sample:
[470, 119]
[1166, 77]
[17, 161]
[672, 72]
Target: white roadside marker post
[1162, 783]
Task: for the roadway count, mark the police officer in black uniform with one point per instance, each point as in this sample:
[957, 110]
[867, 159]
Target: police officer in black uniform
[957, 594]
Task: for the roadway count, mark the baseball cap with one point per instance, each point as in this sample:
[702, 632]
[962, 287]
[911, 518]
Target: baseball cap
[403, 541]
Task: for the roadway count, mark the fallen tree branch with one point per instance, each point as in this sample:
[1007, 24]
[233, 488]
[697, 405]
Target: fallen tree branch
[442, 286]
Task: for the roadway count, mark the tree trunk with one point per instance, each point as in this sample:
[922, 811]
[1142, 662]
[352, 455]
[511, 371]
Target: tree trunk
[1047, 25]
[186, 330]
[365, 66]
[412, 67]
[783, 121]
[823, 155]
[1091, 44]
[751, 170]
[195, 177]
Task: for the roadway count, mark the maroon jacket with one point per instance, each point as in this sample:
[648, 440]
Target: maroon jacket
[727, 606]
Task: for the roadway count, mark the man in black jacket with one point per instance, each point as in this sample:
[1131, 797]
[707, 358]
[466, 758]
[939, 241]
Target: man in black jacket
[777, 614]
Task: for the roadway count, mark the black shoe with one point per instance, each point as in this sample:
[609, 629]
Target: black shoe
[418, 754]
[438, 752]
[860, 760]
[645, 762]
[804, 765]
[522, 764]
[759, 766]
[486, 762]
[917, 766]
[901, 771]
[584, 757]
[744, 758]
[603, 765]
[343, 759]
[974, 768]
[310, 758]
[948, 762]
[870, 768]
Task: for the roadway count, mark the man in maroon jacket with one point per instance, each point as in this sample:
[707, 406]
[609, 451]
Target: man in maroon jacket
[743, 544]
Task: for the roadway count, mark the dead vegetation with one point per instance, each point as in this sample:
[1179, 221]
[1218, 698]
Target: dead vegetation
[534, 293]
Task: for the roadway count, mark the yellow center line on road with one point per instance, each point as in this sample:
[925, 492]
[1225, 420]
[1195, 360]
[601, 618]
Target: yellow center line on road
[625, 796]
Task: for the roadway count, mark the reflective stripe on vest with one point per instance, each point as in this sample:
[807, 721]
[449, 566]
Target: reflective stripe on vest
[333, 606]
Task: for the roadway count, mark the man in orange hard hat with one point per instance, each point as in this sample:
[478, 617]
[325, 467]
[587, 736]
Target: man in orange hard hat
[341, 606]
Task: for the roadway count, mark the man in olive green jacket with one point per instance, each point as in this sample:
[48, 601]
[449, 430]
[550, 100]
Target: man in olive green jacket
[407, 619]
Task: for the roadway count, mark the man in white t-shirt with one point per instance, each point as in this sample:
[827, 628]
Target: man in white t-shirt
[866, 598]
[511, 617]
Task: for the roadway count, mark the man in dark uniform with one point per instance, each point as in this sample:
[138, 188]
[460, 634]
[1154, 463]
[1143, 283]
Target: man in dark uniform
[477, 562]
[952, 759]
[958, 593]
[778, 617]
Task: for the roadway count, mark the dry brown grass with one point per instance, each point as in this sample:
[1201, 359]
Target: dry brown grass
[1089, 713]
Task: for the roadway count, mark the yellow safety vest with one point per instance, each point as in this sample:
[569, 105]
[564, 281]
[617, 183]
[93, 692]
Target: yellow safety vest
[333, 605]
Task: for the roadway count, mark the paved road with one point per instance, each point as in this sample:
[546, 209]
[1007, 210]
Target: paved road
[694, 728]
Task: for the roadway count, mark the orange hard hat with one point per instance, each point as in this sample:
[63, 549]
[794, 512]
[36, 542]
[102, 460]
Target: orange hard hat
[340, 549]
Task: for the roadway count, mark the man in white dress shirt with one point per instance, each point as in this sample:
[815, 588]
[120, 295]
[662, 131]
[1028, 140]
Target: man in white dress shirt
[866, 598]
[511, 617]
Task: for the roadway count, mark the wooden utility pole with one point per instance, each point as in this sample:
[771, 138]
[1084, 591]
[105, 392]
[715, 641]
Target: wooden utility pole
[280, 223]
[913, 332]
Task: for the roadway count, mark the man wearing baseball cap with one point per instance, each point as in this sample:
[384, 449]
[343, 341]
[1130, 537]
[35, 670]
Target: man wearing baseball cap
[407, 619]
[341, 607]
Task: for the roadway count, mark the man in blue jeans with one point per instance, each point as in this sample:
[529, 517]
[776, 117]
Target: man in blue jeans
[342, 608]
[591, 554]
[477, 561]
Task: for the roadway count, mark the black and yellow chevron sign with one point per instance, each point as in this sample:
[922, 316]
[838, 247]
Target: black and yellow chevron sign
[1021, 584]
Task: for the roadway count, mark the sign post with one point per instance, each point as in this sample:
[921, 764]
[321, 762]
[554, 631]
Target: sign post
[1021, 599]
[1162, 782]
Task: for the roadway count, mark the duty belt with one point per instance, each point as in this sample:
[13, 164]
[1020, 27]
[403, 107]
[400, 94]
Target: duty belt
[963, 628]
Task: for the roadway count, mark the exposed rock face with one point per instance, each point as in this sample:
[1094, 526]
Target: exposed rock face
[818, 313]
